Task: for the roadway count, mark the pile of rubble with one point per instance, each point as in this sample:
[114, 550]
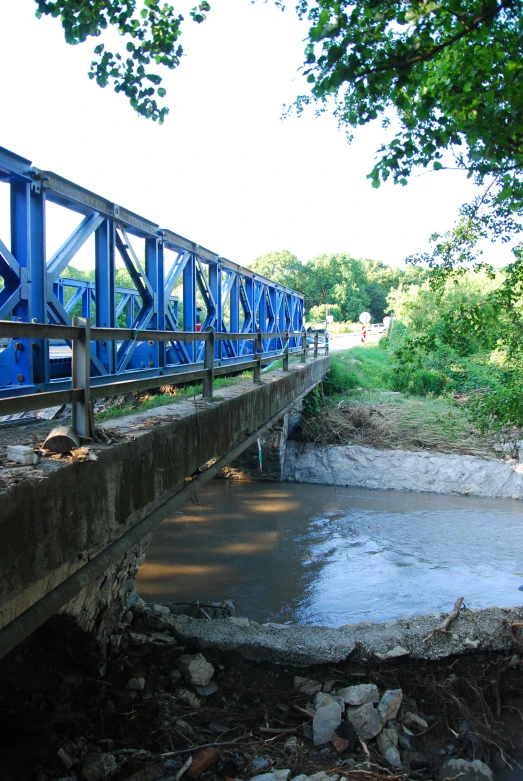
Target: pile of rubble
[165, 710]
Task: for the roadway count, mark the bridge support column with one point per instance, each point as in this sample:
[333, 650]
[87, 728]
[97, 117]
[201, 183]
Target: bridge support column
[265, 460]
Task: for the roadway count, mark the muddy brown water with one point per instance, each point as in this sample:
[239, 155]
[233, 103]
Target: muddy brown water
[322, 555]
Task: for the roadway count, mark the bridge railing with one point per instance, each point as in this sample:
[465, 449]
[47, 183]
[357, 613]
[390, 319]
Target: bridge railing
[82, 391]
[171, 285]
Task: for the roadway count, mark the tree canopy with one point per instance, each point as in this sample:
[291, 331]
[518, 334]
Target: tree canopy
[149, 31]
[347, 285]
[449, 75]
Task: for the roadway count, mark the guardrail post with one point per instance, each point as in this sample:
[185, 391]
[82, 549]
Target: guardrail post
[316, 345]
[208, 363]
[305, 345]
[258, 348]
[286, 352]
[83, 423]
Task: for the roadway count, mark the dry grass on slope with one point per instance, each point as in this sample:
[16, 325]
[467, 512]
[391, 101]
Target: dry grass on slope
[406, 423]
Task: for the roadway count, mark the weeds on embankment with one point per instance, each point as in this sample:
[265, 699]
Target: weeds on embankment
[362, 408]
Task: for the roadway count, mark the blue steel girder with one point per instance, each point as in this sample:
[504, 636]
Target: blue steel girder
[232, 297]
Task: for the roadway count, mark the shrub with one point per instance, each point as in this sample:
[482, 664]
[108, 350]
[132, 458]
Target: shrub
[418, 382]
[340, 378]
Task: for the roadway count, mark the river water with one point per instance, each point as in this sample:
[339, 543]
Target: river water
[323, 555]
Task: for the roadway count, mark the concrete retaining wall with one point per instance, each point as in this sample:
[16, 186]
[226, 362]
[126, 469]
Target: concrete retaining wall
[366, 467]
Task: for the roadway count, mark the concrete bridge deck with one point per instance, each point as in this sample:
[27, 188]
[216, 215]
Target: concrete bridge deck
[60, 514]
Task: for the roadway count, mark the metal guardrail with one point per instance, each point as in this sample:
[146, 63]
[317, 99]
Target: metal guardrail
[82, 393]
[175, 283]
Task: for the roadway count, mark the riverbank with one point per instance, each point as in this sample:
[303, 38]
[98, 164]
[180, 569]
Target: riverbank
[362, 406]
[174, 705]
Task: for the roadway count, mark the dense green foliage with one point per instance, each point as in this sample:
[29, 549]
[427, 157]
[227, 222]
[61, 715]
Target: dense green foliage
[462, 337]
[347, 285]
[149, 32]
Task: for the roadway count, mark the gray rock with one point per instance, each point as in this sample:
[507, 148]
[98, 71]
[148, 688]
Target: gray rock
[260, 763]
[365, 721]
[322, 699]
[188, 698]
[196, 669]
[326, 720]
[137, 639]
[388, 747]
[359, 695]
[99, 767]
[413, 720]
[175, 676]
[471, 644]
[390, 705]
[276, 775]
[321, 776]
[206, 691]
[161, 610]
[306, 685]
[394, 653]
[136, 684]
[291, 745]
[471, 771]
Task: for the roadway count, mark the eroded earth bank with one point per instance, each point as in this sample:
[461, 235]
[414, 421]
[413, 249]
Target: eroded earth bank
[226, 698]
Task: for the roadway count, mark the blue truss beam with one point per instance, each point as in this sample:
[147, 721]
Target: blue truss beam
[163, 296]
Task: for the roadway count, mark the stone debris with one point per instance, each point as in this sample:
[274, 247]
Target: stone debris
[196, 669]
[136, 684]
[390, 705]
[471, 644]
[99, 767]
[277, 775]
[22, 454]
[260, 763]
[414, 721]
[306, 685]
[187, 697]
[325, 723]
[252, 719]
[387, 742]
[365, 721]
[467, 771]
[206, 691]
[359, 695]
[394, 653]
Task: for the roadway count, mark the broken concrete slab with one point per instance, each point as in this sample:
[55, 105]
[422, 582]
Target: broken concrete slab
[309, 645]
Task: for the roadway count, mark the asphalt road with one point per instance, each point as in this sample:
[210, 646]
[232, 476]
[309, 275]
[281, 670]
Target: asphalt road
[346, 341]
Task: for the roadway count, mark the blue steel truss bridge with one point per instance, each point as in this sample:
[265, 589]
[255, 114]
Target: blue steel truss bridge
[179, 293]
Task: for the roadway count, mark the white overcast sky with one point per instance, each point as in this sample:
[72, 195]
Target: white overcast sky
[224, 170]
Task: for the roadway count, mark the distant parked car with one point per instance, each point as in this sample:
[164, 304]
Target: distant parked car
[376, 328]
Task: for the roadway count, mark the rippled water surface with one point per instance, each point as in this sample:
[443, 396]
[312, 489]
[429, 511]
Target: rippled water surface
[322, 555]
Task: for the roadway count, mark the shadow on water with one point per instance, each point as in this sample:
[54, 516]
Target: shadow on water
[321, 555]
